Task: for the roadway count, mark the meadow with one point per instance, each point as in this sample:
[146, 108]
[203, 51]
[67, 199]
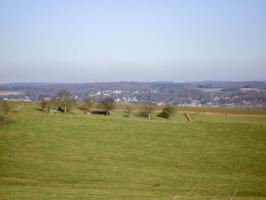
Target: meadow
[221, 155]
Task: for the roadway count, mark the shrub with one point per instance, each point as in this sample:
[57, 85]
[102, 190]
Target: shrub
[168, 111]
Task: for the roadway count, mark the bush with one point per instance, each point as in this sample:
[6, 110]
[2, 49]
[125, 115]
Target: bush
[168, 111]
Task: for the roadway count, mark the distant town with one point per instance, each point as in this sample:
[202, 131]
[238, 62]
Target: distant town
[197, 94]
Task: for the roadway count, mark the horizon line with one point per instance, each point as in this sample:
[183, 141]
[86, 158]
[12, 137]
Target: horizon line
[131, 81]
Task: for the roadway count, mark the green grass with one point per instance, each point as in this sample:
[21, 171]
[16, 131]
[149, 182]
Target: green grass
[52, 156]
[235, 111]
[229, 119]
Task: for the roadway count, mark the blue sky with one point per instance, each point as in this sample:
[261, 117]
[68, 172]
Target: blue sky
[131, 40]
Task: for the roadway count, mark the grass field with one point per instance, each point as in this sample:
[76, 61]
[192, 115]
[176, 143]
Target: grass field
[53, 156]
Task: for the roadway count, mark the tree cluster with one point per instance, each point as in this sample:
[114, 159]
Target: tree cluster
[64, 102]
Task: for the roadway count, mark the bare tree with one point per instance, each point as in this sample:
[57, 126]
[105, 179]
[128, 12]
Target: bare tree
[65, 101]
[87, 104]
[168, 111]
[147, 109]
[5, 108]
[107, 105]
[44, 104]
[128, 110]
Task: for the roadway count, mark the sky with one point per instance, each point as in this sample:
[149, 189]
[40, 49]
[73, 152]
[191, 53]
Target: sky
[132, 40]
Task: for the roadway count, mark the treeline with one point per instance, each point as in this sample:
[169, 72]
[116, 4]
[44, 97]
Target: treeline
[64, 102]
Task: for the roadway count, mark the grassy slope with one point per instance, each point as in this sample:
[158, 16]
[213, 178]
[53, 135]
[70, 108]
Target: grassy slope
[44, 156]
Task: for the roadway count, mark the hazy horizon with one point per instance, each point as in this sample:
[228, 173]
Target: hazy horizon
[144, 41]
[178, 82]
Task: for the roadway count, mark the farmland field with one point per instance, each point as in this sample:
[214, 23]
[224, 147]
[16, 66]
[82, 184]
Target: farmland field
[53, 156]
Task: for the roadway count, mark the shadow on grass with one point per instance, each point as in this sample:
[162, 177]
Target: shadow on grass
[98, 112]
[163, 115]
[39, 109]
[141, 115]
[125, 114]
